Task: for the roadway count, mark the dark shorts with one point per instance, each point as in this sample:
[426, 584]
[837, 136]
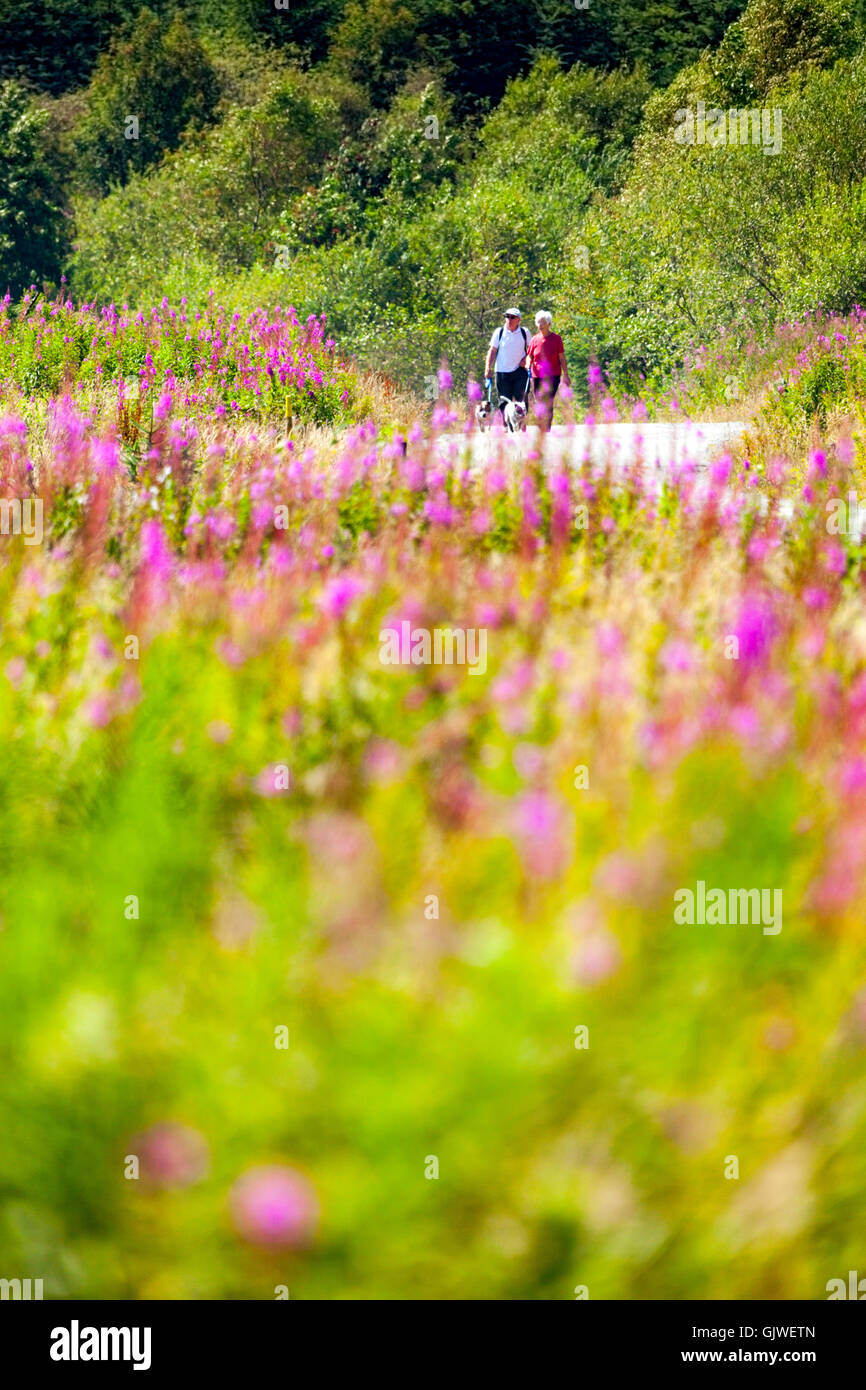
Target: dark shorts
[544, 388]
[511, 385]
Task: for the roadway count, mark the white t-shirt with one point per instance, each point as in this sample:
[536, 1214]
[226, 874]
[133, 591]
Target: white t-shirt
[512, 348]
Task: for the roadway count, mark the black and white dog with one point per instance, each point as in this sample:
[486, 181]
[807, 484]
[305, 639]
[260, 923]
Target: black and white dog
[514, 415]
[484, 415]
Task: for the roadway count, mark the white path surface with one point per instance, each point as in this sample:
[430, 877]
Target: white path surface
[661, 445]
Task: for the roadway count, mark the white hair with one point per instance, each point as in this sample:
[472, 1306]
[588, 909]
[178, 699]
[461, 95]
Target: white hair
[543, 316]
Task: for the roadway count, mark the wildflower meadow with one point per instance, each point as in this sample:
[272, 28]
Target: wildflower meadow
[432, 681]
[332, 974]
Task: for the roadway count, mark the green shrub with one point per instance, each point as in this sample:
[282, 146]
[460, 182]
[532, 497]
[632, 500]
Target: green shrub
[158, 77]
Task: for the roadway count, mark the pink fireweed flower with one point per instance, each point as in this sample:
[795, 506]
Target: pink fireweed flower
[816, 598]
[339, 594]
[274, 1206]
[676, 655]
[619, 876]
[608, 639]
[221, 526]
[528, 761]
[540, 828]
[384, 761]
[813, 643]
[171, 1155]
[273, 780]
[720, 470]
[744, 723]
[529, 501]
[759, 548]
[15, 671]
[755, 629]
[596, 958]
[229, 652]
[776, 472]
[155, 552]
[99, 711]
[852, 777]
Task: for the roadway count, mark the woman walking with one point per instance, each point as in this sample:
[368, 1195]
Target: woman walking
[545, 358]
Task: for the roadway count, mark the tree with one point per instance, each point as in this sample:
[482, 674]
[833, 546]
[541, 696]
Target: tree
[777, 37]
[31, 218]
[148, 88]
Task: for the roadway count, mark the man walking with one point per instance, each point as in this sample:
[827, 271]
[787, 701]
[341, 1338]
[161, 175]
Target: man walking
[507, 353]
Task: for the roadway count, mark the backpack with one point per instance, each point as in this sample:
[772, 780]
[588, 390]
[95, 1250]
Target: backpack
[524, 331]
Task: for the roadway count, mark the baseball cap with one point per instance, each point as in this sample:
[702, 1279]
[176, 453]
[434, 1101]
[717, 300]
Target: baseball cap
[512, 313]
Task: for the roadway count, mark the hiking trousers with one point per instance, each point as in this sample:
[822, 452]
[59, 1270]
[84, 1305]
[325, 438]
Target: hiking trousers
[511, 385]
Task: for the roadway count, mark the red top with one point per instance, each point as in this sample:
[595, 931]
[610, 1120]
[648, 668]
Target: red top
[543, 354]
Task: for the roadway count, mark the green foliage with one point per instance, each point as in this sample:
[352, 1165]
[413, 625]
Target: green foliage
[55, 43]
[710, 239]
[669, 38]
[775, 38]
[32, 236]
[376, 44]
[216, 201]
[160, 78]
[405, 153]
[303, 27]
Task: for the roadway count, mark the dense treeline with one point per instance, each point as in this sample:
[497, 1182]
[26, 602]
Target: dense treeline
[408, 170]
[477, 45]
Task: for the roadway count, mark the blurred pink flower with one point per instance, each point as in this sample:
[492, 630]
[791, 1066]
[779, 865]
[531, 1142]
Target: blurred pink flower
[540, 827]
[99, 711]
[676, 655]
[274, 1206]
[15, 671]
[339, 594]
[597, 957]
[755, 628]
[608, 639]
[852, 778]
[171, 1155]
[274, 780]
[816, 598]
